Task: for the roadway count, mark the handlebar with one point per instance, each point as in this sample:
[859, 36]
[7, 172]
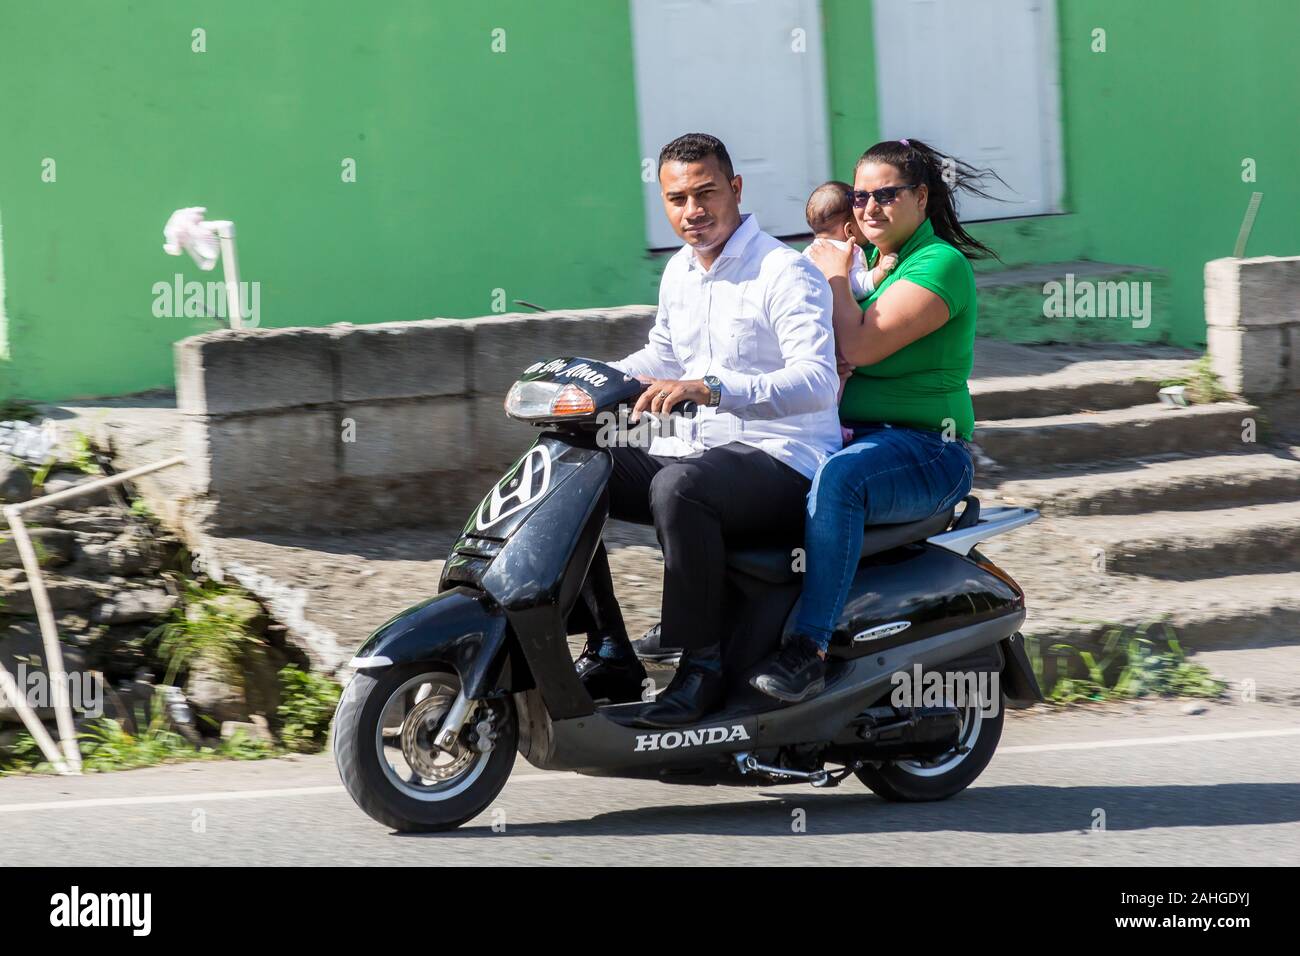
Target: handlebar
[687, 409]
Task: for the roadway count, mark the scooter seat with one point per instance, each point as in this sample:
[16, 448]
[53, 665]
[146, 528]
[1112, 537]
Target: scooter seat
[776, 565]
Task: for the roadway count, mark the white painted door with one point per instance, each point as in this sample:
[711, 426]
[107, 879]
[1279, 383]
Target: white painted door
[979, 81]
[750, 73]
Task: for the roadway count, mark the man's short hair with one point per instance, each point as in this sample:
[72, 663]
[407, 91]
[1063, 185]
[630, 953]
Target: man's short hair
[830, 205]
[695, 147]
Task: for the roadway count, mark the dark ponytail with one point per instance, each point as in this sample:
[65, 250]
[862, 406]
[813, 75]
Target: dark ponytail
[920, 163]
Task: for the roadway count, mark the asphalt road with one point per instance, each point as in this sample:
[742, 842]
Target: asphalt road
[1216, 789]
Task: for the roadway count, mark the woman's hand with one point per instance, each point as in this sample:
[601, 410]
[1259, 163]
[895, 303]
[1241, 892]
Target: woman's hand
[831, 260]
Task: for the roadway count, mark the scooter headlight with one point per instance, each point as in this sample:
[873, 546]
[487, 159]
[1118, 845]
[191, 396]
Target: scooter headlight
[535, 400]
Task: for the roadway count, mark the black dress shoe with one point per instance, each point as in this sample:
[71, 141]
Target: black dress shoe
[793, 674]
[649, 648]
[618, 680]
[694, 693]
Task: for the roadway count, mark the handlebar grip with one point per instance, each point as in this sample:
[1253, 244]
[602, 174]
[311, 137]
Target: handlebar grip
[686, 409]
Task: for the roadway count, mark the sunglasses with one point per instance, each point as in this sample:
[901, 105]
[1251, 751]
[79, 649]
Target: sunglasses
[883, 196]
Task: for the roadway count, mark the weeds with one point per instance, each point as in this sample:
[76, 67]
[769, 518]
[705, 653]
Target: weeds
[1202, 384]
[83, 455]
[107, 745]
[1128, 666]
[205, 627]
[43, 472]
[307, 706]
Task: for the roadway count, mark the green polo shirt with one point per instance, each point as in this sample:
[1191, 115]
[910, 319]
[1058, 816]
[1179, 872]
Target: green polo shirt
[923, 385]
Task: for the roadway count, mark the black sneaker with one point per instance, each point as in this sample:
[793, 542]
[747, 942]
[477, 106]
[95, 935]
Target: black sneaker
[615, 679]
[793, 674]
[649, 648]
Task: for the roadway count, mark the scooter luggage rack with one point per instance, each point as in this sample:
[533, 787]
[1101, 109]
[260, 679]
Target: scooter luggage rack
[988, 522]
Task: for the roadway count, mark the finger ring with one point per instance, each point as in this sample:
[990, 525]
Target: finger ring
[663, 394]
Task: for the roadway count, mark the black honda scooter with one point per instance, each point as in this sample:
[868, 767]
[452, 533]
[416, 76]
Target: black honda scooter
[924, 656]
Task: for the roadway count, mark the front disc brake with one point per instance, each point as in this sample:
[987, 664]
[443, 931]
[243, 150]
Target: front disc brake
[419, 731]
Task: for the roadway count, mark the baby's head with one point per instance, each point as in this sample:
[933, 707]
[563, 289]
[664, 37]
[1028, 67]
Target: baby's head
[830, 209]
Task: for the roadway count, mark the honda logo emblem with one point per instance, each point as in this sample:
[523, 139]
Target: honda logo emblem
[534, 479]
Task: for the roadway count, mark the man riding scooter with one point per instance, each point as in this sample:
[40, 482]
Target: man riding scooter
[743, 330]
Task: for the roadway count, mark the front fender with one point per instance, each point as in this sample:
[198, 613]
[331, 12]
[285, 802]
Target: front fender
[460, 627]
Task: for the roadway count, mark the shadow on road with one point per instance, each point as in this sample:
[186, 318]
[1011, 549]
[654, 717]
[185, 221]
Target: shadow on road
[1009, 810]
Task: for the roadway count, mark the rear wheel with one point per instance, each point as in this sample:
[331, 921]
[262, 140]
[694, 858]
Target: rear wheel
[948, 774]
[384, 733]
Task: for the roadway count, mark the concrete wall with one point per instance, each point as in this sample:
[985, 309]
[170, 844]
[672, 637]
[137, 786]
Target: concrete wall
[367, 426]
[1252, 317]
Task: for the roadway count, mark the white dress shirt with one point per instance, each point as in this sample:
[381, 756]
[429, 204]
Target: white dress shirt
[760, 320]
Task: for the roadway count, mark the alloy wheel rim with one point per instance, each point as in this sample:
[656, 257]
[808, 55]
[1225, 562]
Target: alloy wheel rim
[404, 740]
[972, 720]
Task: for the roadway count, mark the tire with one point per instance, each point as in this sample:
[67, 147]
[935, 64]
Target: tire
[373, 762]
[909, 781]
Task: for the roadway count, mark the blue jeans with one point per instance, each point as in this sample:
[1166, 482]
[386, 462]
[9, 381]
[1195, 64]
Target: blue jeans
[886, 475]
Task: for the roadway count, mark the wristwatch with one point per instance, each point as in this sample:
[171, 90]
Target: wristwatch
[715, 390]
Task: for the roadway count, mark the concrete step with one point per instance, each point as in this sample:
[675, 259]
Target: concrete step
[1188, 545]
[1248, 610]
[1168, 484]
[1136, 432]
[1081, 386]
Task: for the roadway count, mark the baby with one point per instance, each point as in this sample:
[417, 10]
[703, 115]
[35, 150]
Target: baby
[830, 217]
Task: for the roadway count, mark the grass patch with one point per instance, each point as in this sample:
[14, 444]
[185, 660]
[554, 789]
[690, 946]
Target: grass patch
[1202, 385]
[41, 473]
[1129, 665]
[83, 455]
[106, 745]
[306, 709]
[209, 625]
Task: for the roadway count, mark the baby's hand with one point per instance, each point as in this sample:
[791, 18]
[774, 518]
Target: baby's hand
[888, 263]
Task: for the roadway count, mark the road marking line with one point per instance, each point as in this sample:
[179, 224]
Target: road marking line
[168, 798]
[548, 777]
[1149, 741]
[219, 795]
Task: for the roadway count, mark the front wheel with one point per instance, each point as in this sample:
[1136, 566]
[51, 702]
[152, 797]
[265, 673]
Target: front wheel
[384, 732]
[914, 781]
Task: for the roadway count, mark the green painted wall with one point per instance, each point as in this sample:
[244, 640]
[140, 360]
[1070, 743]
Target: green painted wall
[475, 170]
[479, 171]
[1154, 133]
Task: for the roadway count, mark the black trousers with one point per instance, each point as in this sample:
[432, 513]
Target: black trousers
[728, 497]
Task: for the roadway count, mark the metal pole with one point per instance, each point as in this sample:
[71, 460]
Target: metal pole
[45, 613]
[53, 652]
[9, 688]
[1247, 224]
[226, 233]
